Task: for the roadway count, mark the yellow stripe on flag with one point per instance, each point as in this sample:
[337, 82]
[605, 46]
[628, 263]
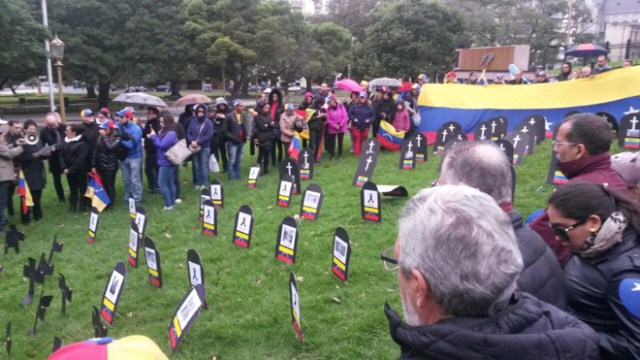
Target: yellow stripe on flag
[285, 250]
[242, 235]
[108, 304]
[339, 263]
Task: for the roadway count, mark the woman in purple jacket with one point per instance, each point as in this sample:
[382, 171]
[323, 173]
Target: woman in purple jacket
[336, 126]
[163, 141]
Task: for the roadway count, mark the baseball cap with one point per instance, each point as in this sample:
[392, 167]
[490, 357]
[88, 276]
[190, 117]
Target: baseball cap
[86, 112]
[104, 111]
[542, 74]
[126, 112]
[108, 124]
[131, 347]
[363, 94]
[236, 103]
[330, 97]
[290, 107]
[422, 77]
[308, 94]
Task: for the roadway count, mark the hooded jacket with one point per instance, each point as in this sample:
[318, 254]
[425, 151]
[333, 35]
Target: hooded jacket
[528, 329]
[74, 154]
[596, 287]
[594, 169]
[201, 128]
[361, 115]
[335, 117]
[219, 115]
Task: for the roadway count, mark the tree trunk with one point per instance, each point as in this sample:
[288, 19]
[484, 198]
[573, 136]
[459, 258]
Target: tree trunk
[243, 80]
[13, 90]
[173, 85]
[104, 86]
[91, 92]
[3, 82]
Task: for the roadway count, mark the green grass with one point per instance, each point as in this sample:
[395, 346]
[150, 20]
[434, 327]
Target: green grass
[247, 290]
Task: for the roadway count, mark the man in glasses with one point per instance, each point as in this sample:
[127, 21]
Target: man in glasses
[582, 151]
[485, 167]
[458, 265]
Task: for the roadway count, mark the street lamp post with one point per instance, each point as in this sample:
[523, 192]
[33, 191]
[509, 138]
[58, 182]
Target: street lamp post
[57, 54]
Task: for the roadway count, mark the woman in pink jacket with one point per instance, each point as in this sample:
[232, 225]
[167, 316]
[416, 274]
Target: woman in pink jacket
[336, 126]
[401, 119]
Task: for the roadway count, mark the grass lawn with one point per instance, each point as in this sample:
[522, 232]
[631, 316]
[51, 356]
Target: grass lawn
[247, 290]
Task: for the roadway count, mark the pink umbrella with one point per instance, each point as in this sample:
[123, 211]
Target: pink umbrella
[348, 85]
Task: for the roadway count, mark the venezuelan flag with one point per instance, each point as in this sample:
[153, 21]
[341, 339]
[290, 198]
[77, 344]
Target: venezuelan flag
[241, 239]
[632, 143]
[361, 180]
[559, 178]
[22, 189]
[339, 269]
[295, 147]
[469, 105]
[389, 137]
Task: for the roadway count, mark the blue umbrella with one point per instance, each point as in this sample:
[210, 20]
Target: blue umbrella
[586, 51]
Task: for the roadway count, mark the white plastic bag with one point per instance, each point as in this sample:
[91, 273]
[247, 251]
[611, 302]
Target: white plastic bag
[213, 164]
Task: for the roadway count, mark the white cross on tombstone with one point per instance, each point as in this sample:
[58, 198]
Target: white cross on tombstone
[524, 129]
[451, 127]
[460, 137]
[483, 129]
[369, 160]
[419, 138]
[502, 147]
[289, 167]
[409, 146]
[444, 135]
[493, 126]
[306, 159]
[515, 141]
[371, 145]
[633, 122]
[532, 121]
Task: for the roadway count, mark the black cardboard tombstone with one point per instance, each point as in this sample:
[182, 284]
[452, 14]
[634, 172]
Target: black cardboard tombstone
[205, 194]
[288, 169]
[287, 241]
[525, 128]
[254, 174]
[134, 245]
[152, 257]
[407, 155]
[420, 141]
[447, 131]
[495, 129]
[186, 313]
[113, 292]
[306, 164]
[194, 265]
[482, 132]
[452, 126]
[539, 123]
[520, 143]
[366, 165]
[209, 219]
[370, 205]
[243, 228]
[341, 254]
[507, 148]
[311, 202]
[369, 146]
[94, 222]
[504, 125]
[141, 221]
[629, 131]
[611, 120]
[285, 188]
[216, 191]
[296, 316]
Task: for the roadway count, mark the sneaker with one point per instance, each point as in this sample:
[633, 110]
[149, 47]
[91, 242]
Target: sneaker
[178, 201]
[167, 208]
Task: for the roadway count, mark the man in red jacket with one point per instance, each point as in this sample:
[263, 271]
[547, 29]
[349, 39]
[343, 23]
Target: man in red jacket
[582, 149]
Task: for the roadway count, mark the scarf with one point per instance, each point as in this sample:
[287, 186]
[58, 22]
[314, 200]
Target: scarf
[609, 235]
[67, 140]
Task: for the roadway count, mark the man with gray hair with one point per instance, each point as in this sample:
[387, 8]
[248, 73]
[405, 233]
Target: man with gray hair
[482, 165]
[458, 265]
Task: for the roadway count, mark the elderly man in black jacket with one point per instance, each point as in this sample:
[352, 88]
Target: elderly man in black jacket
[458, 265]
[485, 167]
[52, 135]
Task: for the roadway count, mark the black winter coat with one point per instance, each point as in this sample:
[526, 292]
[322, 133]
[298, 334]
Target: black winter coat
[263, 130]
[316, 123]
[33, 168]
[90, 136]
[596, 288]
[73, 156]
[384, 109]
[232, 131]
[48, 137]
[149, 147]
[105, 157]
[541, 275]
[528, 329]
[218, 130]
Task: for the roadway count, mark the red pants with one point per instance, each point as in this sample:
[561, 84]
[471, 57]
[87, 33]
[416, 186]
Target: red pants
[358, 137]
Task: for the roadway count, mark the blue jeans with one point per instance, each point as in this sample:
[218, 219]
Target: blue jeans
[132, 178]
[235, 152]
[166, 181]
[201, 166]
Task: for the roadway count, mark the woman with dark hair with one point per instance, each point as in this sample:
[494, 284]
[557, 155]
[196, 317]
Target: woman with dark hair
[33, 168]
[105, 158]
[74, 164]
[163, 141]
[276, 109]
[264, 136]
[603, 278]
[565, 72]
[316, 127]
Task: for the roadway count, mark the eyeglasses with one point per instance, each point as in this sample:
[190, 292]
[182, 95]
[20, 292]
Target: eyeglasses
[200, 112]
[563, 231]
[389, 262]
[555, 143]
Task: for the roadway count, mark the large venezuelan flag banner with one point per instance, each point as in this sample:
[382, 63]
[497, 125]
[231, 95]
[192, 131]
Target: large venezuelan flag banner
[616, 92]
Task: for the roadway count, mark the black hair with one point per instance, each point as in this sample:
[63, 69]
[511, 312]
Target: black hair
[77, 128]
[580, 200]
[30, 122]
[569, 65]
[590, 130]
[11, 122]
[154, 110]
[188, 109]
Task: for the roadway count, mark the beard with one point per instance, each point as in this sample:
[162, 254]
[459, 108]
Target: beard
[410, 313]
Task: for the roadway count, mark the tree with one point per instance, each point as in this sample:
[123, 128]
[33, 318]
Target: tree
[22, 54]
[409, 37]
[353, 15]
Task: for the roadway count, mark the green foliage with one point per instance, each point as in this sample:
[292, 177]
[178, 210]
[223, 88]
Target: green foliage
[22, 54]
[408, 37]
